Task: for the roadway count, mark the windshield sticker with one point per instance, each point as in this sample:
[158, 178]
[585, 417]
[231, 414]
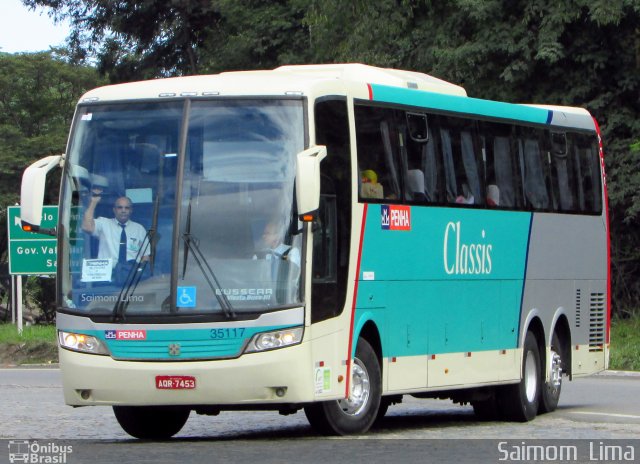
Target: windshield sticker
[186, 297]
[125, 334]
[87, 117]
[395, 217]
[96, 270]
[246, 294]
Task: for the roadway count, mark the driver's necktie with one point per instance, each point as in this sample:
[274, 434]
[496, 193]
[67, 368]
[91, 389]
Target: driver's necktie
[122, 251]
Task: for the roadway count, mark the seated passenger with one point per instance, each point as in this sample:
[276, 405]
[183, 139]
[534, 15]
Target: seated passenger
[467, 197]
[415, 179]
[370, 187]
[493, 195]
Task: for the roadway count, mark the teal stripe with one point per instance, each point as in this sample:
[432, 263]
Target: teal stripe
[458, 104]
[194, 343]
[453, 283]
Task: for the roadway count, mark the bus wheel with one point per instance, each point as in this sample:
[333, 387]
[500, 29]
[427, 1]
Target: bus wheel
[519, 402]
[356, 413]
[151, 422]
[551, 389]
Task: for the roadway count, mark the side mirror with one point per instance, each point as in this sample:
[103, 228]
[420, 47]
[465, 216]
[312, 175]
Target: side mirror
[32, 190]
[308, 180]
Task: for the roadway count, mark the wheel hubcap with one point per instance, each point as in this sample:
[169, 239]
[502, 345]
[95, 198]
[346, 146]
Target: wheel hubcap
[555, 371]
[530, 378]
[360, 390]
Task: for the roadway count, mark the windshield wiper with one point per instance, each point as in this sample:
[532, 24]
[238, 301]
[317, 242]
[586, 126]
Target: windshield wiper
[191, 244]
[133, 278]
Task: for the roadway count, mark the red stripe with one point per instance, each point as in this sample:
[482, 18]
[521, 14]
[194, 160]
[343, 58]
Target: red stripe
[353, 304]
[370, 91]
[606, 206]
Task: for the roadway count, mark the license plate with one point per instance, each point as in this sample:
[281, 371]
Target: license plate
[175, 382]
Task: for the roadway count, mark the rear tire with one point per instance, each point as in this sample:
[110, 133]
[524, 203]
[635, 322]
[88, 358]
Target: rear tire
[151, 422]
[551, 390]
[357, 413]
[519, 402]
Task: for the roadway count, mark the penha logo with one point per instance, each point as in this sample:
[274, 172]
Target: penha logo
[395, 217]
[131, 334]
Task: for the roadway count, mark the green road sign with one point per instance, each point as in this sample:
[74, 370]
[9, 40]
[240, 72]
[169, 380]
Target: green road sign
[29, 252]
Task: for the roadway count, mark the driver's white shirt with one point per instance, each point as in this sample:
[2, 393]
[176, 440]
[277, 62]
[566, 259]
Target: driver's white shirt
[108, 230]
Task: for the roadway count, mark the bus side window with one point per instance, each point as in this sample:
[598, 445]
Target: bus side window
[420, 163]
[587, 172]
[562, 173]
[535, 188]
[463, 179]
[449, 167]
[377, 144]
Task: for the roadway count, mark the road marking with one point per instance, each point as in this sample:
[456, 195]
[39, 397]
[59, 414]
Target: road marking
[590, 413]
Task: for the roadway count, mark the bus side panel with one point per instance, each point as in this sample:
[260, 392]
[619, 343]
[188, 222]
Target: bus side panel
[566, 274]
[450, 285]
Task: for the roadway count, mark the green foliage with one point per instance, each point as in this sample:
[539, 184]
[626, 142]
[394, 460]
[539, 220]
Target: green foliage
[582, 53]
[625, 343]
[38, 93]
[138, 39]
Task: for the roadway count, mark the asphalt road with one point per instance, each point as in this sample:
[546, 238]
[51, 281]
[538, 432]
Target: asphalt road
[593, 412]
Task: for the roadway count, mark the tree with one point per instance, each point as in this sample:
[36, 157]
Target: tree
[134, 39]
[38, 93]
[580, 53]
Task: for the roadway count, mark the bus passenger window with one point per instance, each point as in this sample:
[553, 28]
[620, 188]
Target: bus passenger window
[535, 187]
[460, 158]
[377, 144]
[422, 177]
[586, 164]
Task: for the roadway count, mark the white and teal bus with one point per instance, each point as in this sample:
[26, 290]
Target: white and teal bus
[327, 238]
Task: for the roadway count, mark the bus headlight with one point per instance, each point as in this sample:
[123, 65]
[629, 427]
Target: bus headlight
[273, 340]
[81, 342]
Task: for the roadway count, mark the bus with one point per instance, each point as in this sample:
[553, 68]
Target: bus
[326, 239]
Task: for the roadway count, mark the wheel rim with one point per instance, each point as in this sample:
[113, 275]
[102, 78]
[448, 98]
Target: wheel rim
[530, 377]
[359, 391]
[555, 371]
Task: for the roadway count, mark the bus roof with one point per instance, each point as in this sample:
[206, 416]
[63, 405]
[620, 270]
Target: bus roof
[303, 79]
[358, 80]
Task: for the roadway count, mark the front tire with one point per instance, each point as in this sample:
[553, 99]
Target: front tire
[358, 412]
[151, 422]
[519, 402]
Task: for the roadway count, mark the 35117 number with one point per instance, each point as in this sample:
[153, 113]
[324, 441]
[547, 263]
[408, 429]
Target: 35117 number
[218, 334]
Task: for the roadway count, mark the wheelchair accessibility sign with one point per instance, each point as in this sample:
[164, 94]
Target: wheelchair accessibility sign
[186, 297]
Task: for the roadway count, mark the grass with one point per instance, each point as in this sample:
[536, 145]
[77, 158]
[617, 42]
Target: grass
[30, 334]
[625, 344]
[36, 345]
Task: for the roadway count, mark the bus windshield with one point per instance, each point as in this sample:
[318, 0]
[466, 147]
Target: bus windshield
[159, 218]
